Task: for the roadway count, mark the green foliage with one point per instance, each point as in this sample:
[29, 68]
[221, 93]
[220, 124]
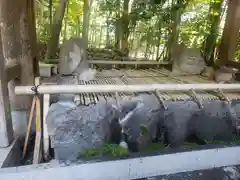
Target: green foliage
[153, 25]
[235, 141]
[114, 150]
[105, 150]
[189, 145]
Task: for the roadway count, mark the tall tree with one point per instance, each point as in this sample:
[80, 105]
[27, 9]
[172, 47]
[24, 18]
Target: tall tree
[53, 42]
[125, 28]
[177, 9]
[10, 24]
[65, 23]
[230, 33]
[211, 38]
[18, 39]
[29, 59]
[86, 19]
[50, 11]
[31, 20]
[117, 29]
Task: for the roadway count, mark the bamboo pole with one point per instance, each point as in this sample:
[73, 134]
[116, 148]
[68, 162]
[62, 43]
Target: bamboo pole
[37, 155]
[29, 127]
[130, 62]
[58, 89]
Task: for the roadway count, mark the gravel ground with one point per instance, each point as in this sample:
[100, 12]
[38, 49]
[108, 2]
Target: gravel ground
[225, 173]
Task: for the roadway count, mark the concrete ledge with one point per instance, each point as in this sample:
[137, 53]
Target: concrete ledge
[10, 156]
[45, 71]
[131, 168]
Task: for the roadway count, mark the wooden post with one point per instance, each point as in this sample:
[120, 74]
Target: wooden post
[46, 104]
[33, 35]
[6, 129]
[230, 33]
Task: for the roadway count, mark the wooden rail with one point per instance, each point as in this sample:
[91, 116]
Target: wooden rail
[150, 62]
[127, 62]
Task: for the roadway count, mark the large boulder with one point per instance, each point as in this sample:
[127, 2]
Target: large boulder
[73, 129]
[186, 61]
[224, 74]
[217, 121]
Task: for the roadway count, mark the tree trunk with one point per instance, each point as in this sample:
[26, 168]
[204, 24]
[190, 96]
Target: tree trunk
[10, 19]
[16, 31]
[117, 31]
[210, 43]
[147, 50]
[100, 37]
[10, 34]
[177, 9]
[27, 40]
[50, 12]
[175, 32]
[53, 42]
[65, 23]
[125, 28]
[230, 33]
[78, 28]
[108, 33]
[86, 19]
[33, 36]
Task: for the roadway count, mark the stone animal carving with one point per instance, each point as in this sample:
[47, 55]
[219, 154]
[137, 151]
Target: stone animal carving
[139, 120]
[136, 123]
[216, 121]
[145, 121]
[73, 59]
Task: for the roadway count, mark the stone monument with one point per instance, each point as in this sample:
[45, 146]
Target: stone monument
[187, 61]
[73, 59]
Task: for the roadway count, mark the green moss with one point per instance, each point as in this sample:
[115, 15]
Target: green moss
[114, 150]
[154, 147]
[105, 150]
[189, 145]
[216, 142]
[236, 140]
